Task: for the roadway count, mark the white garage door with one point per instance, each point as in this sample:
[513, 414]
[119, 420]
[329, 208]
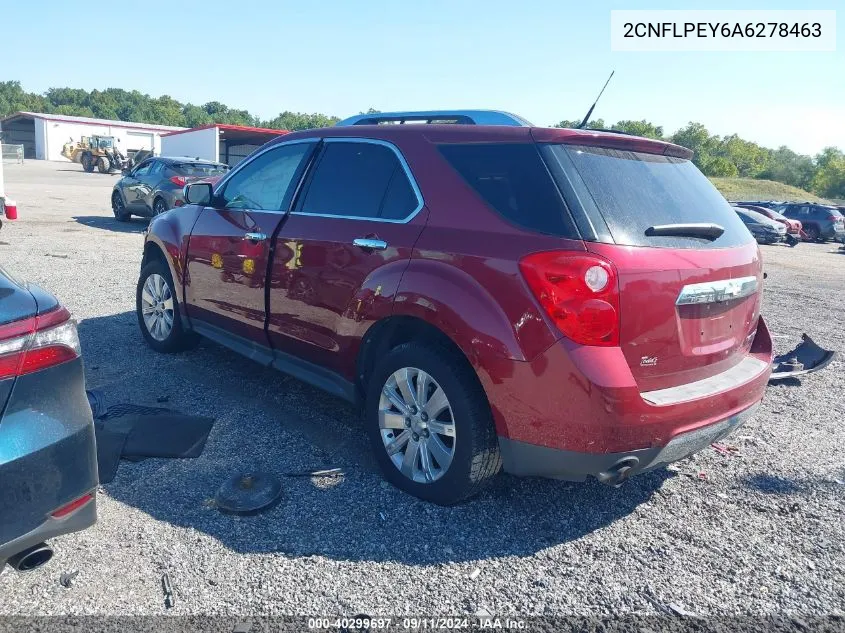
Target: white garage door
[136, 141]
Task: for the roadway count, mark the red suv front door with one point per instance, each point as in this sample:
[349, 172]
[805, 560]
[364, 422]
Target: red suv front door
[341, 253]
[229, 247]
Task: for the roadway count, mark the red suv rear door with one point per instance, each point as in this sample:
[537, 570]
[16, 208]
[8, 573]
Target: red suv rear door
[229, 246]
[340, 255]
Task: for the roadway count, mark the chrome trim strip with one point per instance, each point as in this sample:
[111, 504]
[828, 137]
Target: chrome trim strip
[405, 167]
[366, 242]
[478, 117]
[717, 291]
[742, 373]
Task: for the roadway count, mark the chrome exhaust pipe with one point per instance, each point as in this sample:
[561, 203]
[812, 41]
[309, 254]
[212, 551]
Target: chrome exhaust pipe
[619, 472]
[31, 558]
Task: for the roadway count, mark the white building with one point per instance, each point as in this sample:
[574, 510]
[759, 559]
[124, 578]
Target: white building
[44, 135]
[220, 143]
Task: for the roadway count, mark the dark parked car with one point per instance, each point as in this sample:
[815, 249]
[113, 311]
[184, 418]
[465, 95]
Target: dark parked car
[156, 184]
[48, 462]
[820, 222]
[793, 227]
[561, 303]
[764, 229]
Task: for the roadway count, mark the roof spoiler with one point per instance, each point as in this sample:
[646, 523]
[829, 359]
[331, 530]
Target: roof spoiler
[460, 117]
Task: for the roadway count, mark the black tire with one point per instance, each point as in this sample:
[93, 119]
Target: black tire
[119, 209]
[178, 339]
[103, 165]
[87, 163]
[159, 206]
[476, 459]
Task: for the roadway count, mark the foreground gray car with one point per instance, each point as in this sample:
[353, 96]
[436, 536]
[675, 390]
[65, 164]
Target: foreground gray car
[155, 185]
[48, 459]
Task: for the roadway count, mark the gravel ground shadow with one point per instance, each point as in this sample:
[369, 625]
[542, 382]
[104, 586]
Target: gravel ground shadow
[266, 421]
[133, 225]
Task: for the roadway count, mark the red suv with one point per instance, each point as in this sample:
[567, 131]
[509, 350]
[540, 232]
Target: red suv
[554, 302]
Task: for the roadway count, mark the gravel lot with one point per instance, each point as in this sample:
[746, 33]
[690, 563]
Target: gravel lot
[763, 533]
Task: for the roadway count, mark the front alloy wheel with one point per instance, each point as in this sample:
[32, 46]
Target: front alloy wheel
[157, 307]
[158, 310]
[417, 425]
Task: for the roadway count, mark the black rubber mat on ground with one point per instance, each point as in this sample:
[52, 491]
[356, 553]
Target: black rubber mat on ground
[133, 432]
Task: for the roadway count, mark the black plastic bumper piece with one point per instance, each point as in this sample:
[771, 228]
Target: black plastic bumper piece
[804, 359]
[531, 460]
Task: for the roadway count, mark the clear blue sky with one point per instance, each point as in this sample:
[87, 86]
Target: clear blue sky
[542, 59]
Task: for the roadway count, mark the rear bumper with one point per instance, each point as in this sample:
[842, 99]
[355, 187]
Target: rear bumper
[584, 401]
[83, 518]
[48, 454]
[530, 460]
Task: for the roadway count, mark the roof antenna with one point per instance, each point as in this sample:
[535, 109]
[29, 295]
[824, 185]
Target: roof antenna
[592, 107]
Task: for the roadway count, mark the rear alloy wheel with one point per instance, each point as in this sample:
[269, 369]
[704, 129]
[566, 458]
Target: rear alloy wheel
[417, 425]
[812, 232]
[159, 207]
[158, 310]
[430, 425]
[118, 208]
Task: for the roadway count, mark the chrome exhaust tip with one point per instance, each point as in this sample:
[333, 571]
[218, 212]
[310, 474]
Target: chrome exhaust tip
[31, 558]
[619, 472]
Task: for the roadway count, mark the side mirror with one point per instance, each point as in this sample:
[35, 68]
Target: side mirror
[198, 193]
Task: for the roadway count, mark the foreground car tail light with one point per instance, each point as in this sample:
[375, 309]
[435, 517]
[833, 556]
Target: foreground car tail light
[580, 293]
[36, 343]
[179, 181]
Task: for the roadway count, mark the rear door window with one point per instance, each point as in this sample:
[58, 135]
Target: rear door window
[633, 191]
[513, 180]
[359, 180]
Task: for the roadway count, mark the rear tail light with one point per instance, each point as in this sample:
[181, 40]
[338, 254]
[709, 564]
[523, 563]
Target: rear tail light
[179, 181]
[579, 292]
[37, 343]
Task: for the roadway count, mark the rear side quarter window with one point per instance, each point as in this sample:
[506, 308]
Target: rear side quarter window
[513, 180]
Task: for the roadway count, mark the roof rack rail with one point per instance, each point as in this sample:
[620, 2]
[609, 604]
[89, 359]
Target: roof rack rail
[462, 117]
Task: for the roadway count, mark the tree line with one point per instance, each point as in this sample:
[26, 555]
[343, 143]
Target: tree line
[727, 156]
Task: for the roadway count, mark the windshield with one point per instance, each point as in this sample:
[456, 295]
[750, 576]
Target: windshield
[200, 169]
[632, 191]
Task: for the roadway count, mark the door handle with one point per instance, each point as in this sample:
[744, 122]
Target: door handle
[368, 243]
[255, 237]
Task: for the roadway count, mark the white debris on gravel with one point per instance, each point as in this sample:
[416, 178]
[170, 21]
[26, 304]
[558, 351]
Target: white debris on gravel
[761, 534]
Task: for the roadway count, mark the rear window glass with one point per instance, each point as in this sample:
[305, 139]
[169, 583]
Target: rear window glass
[199, 169]
[513, 180]
[633, 191]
